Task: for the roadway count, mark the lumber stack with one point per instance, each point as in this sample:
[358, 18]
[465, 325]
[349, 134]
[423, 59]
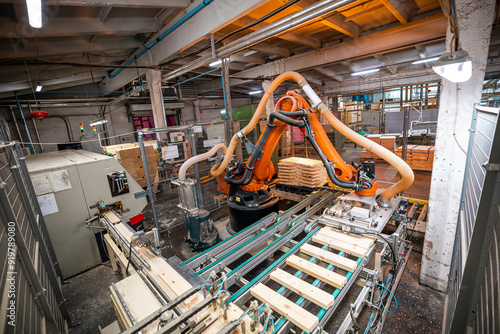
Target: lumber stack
[301, 172]
[131, 160]
[418, 157]
[334, 275]
[389, 142]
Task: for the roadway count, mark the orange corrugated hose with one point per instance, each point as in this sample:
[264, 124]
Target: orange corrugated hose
[407, 175]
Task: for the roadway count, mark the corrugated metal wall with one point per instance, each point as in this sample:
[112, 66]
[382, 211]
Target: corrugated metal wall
[31, 280]
[472, 300]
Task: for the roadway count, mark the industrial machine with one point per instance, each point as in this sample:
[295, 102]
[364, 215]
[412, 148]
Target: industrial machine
[67, 184]
[281, 272]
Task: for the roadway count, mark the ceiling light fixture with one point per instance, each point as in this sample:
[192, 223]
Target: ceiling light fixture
[98, 121]
[216, 63]
[34, 13]
[455, 66]
[423, 61]
[255, 92]
[38, 88]
[365, 72]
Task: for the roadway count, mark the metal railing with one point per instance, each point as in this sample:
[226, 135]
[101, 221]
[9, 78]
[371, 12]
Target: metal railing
[30, 269]
[472, 299]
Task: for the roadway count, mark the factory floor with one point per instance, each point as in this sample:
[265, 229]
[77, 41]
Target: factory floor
[420, 309]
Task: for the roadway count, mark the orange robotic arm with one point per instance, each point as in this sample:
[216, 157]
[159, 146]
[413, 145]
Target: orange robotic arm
[263, 168]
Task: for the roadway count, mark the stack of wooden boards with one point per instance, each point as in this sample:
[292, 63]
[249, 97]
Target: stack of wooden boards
[139, 298]
[335, 240]
[131, 160]
[389, 142]
[301, 172]
[418, 157]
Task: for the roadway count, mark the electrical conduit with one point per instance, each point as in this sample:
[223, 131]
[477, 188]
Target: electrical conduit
[407, 176]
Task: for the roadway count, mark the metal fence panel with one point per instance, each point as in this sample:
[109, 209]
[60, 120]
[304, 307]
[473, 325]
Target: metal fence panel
[472, 299]
[35, 274]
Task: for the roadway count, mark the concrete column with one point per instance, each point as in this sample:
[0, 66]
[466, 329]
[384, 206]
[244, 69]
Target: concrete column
[153, 77]
[474, 20]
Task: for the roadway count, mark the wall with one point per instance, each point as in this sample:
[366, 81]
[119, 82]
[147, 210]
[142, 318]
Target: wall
[53, 129]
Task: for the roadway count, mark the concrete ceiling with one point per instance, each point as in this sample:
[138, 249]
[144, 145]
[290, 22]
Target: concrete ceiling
[87, 41]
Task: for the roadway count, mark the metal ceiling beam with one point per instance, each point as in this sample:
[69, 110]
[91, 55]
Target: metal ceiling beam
[80, 26]
[379, 42]
[252, 59]
[111, 3]
[398, 8]
[17, 73]
[213, 17]
[329, 73]
[55, 48]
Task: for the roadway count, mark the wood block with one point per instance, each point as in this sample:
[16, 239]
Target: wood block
[233, 313]
[294, 313]
[317, 271]
[350, 239]
[340, 245]
[112, 217]
[302, 288]
[329, 257]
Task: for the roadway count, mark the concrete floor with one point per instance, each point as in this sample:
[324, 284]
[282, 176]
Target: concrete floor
[420, 309]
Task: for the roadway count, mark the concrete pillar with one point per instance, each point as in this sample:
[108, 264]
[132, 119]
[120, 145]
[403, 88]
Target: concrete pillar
[474, 20]
[153, 77]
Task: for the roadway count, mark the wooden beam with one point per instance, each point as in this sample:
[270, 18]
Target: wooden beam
[302, 288]
[340, 245]
[398, 9]
[317, 271]
[111, 3]
[355, 240]
[364, 13]
[329, 257]
[294, 313]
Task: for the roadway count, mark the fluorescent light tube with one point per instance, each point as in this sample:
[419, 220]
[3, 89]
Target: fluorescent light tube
[34, 13]
[255, 92]
[365, 72]
[422, 61]
[98, 121]
[216, 63]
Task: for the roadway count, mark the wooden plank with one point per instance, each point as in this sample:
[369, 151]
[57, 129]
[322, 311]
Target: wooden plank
[340, 245]
[117, 254]
[233, 313]
[350, 239]
[329, 257]
[294, 313]
[112, 217]
[302, 288]
[317, 271]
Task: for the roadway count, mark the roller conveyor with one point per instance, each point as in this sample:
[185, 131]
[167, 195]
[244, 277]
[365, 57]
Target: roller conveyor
[316, 261]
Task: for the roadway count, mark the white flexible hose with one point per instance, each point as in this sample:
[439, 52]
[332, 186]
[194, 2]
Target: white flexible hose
[197, 158]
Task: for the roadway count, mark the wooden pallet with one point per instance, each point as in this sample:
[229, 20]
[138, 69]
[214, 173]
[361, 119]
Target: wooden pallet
[335, 240]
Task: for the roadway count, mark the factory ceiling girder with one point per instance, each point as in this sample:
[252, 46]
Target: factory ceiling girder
[427, 29]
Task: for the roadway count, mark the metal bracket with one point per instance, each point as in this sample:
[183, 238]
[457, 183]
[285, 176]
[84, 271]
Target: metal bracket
[491, 167]
[141, 194]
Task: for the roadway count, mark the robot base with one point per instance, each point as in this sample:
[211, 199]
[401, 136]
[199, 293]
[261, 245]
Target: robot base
[245, 208]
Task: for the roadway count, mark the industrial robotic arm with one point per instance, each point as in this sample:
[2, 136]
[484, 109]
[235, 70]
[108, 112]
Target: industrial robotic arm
[250, 199]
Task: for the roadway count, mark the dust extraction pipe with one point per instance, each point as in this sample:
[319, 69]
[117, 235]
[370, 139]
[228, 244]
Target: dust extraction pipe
[407, 176]
[198, 158]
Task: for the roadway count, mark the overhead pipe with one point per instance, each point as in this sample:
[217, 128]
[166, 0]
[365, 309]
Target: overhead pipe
[407, 175]
[175, 26]
[198, 158]
[32, 149]
[276, 28]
